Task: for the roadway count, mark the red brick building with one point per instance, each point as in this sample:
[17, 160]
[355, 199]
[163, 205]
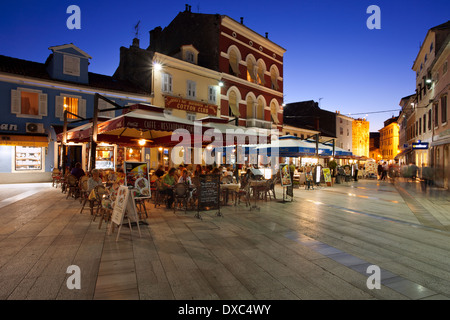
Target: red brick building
[251, 65]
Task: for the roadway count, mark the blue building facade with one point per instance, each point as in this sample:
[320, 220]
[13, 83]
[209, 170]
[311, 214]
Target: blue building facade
[33, 97]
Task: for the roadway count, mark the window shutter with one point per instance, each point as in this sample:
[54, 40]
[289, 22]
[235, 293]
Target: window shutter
[212, 94]
[275, 81]
[15, 102]
[232, 101]
[102, 104]
[82, 108]
[59, 107]
[234, 63]
[43, 104]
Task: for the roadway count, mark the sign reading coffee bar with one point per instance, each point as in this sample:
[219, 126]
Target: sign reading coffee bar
[189, 105]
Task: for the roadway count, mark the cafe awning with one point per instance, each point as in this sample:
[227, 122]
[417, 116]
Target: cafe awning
[23, 140]
[144, 122]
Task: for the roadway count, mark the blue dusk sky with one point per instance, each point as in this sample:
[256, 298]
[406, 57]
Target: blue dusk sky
[331, 54]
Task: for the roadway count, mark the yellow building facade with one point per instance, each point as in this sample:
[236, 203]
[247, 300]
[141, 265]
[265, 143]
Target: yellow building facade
[389, 140]
[185, 90]
[360, 137]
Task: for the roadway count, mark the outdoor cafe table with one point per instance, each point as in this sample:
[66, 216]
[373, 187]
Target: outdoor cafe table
[256, 185]
[233, 187]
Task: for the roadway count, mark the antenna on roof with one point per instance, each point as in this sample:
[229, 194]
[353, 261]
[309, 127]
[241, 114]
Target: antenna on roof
[136, 28]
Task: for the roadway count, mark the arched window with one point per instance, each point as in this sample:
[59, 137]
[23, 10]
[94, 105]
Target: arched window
[260, 108]
[233, 102]
[274, 74]
[251, 114]
[261, 71]
[251, 68]
[274, 111]
[234, 57]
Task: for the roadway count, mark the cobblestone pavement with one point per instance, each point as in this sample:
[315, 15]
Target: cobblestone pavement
[319, 246]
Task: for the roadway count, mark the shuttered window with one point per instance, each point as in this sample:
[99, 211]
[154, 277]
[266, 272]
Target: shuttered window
[166, 83]
[71, 65]
[73, 104]
[234, 106]
[191, 89]
[27, 103]
[234, 63]
[212, 94]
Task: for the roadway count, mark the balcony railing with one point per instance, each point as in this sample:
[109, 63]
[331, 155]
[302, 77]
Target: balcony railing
[259, 123]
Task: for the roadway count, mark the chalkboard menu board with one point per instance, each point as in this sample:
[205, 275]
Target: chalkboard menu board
[209, 193]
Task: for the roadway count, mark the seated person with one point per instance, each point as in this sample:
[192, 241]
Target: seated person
[94, 180]
[168, 181]
[77, 171]
[185, 178]
[160, 171]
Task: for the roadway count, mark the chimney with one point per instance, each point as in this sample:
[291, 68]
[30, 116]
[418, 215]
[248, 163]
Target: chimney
[242, 20]
[135, 43]
[267, 35]
[154, 36]
[187, 8]
[316, 124]
[190, 8]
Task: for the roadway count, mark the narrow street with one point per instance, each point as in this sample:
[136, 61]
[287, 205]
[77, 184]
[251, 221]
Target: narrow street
[317, 247]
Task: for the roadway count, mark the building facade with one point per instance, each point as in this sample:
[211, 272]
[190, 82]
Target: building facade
[389, 139]
[406, 121]
[34, 96]
[440, 143]
[360, 137]
[344, 134]
[374, 146]
[251, 65]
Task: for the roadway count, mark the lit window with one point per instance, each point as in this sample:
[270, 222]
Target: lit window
[28, 159]
[251, 70]
[71, 105]
[28, 103]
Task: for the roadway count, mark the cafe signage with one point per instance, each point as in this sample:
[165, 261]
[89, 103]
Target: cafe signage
[420, 145]
[189, 105]
[8, 127]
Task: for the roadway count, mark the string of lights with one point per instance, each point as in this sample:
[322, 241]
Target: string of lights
[372, 112]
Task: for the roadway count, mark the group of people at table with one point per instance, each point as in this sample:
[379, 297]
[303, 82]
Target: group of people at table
[166, 180]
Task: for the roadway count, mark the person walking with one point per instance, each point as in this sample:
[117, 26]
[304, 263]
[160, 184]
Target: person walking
[384, 171]
[380, 171]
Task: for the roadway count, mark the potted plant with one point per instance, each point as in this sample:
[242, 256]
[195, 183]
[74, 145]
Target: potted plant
[332, 165]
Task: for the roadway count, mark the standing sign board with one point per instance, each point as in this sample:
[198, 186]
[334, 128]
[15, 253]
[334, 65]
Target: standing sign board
[124, 204]
[327, 176]
[209, 193]
[286, 181]
[136, 176]
[285, 176]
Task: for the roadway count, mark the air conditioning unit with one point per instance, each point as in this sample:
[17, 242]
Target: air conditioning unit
[32, 127]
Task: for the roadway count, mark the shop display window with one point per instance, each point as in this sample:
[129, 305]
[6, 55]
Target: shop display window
[105, 157]
[28, 158]
[133, 154]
